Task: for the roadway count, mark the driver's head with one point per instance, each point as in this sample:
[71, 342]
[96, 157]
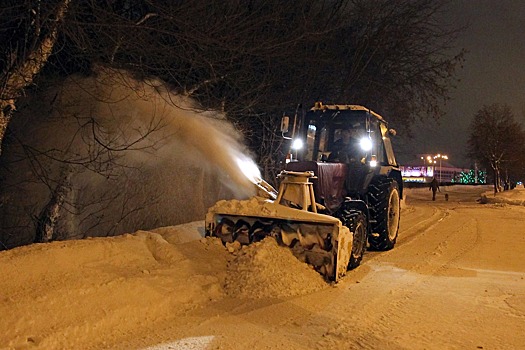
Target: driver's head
[349, 133]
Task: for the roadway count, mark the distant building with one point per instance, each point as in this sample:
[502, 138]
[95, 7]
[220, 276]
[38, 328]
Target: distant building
[445, 173]
[417, 173]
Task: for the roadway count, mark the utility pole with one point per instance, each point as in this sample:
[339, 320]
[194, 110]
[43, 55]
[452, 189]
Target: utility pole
[440, 157]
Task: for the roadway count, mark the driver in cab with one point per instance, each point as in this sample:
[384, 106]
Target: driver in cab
[348, 148]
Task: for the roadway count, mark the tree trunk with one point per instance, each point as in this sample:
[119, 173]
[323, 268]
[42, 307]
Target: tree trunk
[47, 223]
[21, 68]
[5, 115]
[496, 180]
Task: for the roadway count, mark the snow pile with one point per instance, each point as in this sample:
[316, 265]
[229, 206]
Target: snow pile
[512, 197]
[251, 206]
[66, 295]
[265, 269]
[182, 233]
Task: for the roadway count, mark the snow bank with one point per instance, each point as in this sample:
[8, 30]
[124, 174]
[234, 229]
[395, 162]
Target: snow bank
[515, 196]
[182, 233]
[512, 197]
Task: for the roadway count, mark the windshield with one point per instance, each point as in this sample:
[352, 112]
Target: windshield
[331, 134]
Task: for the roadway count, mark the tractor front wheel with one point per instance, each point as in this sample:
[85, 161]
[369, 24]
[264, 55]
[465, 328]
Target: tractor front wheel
[355, 220]
[357, 225]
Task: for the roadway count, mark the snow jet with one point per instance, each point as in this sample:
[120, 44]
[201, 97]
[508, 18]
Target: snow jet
[180, 129]
[135, 156]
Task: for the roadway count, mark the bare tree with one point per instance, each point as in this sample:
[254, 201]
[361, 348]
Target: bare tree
[29, 37]
[496, 140]
[49, 216]
[78, 131]
[396, 57]
[250, 59]
[102, 157]
[256, 58]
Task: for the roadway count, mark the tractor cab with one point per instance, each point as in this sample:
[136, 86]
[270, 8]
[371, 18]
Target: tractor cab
[344, 145]
[355, 131]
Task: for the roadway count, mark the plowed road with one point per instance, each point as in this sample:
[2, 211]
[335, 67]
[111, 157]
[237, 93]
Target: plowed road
[455, 280]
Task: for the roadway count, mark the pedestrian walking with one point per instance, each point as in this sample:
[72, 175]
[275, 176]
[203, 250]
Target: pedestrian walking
[434, 186]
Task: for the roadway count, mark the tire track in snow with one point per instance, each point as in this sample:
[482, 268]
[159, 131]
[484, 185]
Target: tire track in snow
[387, 308]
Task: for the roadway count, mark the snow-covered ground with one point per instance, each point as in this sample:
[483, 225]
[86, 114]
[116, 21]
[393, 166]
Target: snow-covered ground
[455, 280]
[514, 197]
[486, 194]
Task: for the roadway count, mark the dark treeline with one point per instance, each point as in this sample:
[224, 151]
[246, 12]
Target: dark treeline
[497, 143]
[252, 60]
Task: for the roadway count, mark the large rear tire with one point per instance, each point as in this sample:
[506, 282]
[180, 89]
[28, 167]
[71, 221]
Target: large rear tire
[385, 204]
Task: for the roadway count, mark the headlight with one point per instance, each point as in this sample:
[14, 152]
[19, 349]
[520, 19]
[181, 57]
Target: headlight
[373, 161]
[366, 144]
[297, 144]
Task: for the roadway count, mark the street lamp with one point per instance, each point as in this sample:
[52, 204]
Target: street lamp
[440, 157]
[430, 162]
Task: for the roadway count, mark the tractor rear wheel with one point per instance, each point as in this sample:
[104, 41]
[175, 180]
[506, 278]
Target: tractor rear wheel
[384, 201]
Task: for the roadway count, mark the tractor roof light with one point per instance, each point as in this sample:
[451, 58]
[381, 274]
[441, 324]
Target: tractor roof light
[373, 161]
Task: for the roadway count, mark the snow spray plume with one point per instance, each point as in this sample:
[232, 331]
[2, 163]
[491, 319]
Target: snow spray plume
[137, 156]
[202, 139]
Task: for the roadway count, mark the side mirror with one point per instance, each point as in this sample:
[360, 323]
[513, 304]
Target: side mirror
[285, 124]
[392, 132]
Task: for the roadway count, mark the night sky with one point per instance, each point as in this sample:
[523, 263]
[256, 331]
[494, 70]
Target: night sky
[493, 72]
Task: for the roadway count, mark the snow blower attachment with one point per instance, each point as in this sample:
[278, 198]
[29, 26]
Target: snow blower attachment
[290, 217]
